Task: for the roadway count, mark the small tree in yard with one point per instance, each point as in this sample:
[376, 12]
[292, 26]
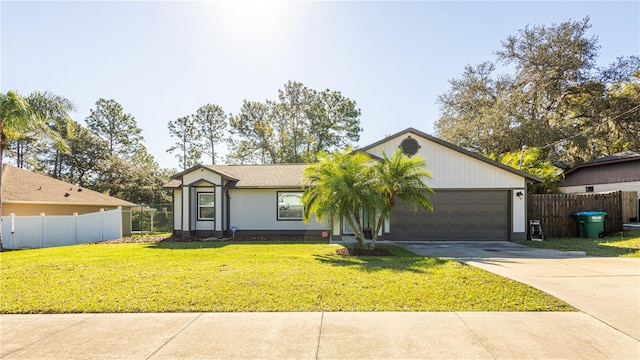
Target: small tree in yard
[346, 186]
[401, 177]
[20, 115]
[338, 185]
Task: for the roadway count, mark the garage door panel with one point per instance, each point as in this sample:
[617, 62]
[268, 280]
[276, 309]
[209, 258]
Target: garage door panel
[457, 215]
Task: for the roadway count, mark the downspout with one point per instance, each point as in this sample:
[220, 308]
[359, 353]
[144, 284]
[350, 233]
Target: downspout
[184, 205]
[173, 210]
[192, 204]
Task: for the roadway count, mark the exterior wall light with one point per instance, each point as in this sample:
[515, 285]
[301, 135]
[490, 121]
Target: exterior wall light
[520, 195]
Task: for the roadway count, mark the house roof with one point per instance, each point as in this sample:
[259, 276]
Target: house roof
[455, 148]
[623, 156]
[27, 187]
[281, 176]
[276, 176]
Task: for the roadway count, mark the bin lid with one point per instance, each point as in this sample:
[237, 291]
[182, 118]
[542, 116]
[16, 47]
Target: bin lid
[589, 213]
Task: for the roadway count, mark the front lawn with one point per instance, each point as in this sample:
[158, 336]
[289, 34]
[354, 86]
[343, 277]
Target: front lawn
[624, 244]
[214, 276]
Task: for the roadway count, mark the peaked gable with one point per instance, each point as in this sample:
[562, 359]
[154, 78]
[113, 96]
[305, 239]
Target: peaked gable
[451, 165]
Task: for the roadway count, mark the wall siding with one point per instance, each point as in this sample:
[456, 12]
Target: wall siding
[627, 186]
[256, 209]
[519, 211]
[177, 209]
[605, 174]
[451, 169]
[193, 177]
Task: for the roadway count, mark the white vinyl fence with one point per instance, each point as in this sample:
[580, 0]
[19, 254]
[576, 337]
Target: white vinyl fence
[23, 232]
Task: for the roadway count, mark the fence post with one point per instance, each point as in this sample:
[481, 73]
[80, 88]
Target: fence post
[101, 224]
[42, 230]
[75, 228]
[119, 222]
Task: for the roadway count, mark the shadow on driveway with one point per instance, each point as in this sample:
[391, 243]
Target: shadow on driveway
[479, 250]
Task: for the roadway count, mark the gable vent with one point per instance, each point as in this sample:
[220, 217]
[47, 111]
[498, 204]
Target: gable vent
[410, 146]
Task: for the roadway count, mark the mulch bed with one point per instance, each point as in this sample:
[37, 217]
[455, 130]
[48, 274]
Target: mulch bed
[363, 252]
[242, 238]
[139, 239]
[257, 238]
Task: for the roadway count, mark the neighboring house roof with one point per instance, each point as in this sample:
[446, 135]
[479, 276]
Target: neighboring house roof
[27, 187]
[622, 156]
[455, 148]
[275, 176]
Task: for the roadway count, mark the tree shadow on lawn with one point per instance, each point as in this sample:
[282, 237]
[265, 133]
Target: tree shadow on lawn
[402, 260]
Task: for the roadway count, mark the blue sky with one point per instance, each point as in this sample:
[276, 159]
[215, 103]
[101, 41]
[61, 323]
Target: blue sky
[163, 60]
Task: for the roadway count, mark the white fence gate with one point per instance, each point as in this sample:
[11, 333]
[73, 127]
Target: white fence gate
[24, 232]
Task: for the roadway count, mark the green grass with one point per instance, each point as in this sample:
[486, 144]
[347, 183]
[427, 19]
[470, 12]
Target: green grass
[624, 244]
[232, 277]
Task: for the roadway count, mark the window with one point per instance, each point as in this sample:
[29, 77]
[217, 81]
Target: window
[290, 206]
[206, 209]
[589, 189]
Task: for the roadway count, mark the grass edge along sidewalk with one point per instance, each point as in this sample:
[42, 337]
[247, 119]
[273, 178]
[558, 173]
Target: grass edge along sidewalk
[249, 277]
[622, 244]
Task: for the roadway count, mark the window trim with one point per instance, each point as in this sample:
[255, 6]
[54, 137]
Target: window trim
[200, 218]
[588, 189]
[278, 218]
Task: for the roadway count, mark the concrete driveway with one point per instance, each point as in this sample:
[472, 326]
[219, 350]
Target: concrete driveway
[607, 289]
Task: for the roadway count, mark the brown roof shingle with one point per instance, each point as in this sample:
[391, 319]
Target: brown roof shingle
[271, 176]
[23, 186]
[263, 176]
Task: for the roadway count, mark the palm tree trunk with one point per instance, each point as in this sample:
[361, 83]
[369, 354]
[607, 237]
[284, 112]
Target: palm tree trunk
[356, 231]
[376, 231]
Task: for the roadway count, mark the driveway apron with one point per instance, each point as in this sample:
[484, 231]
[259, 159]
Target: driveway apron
[608, 289]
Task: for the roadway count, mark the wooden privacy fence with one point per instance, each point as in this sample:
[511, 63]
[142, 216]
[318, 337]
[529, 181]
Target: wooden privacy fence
[555, 210]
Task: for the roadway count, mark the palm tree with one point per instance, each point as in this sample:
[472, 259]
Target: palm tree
[339, 185]
[19, 115]
[349, 185]
[401, 177]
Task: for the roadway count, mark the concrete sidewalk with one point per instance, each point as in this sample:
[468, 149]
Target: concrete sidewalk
[606, 290]
[384, 335]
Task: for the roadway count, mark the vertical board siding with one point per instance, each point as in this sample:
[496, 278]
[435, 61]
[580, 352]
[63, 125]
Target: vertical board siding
[555, 210]
[454, 170]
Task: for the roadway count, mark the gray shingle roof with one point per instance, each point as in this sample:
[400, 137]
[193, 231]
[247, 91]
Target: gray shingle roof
[623, 156]
[620, 156]
[23, 186]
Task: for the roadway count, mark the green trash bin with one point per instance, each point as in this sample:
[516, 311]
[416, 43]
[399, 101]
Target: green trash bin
[590, 223]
